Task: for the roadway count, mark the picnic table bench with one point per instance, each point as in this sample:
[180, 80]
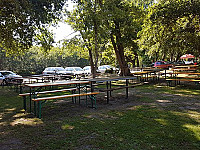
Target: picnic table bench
[108, 83]
[38, 100]
[24, 95]
[177, 79]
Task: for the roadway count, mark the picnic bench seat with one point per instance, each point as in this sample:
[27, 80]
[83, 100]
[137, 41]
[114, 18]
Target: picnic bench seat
[177, 80]
[118, 88]
[44, 92]
[109, 90]
[39, 100]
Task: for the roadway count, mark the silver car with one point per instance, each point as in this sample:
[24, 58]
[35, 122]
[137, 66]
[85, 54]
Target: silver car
[54, 71]
[2, 78]
[75, 71]
[10, 77]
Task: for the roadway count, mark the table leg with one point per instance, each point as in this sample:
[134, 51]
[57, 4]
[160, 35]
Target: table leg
[30, 100]
[110, 87]
[107, 86]
[127, 88]
[79, 92]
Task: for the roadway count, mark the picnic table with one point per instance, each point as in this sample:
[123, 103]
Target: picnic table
[145, 74]
[108, 82]
[184, 76]
[184, 69]
[35, 89]
[40, 78]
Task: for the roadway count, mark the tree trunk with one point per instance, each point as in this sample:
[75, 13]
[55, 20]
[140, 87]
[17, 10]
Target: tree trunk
[88, 45]
[96, 40]
[119, 51]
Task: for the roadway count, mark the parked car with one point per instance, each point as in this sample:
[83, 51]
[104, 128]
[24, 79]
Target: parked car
[105, 68]
[10, 77]
[179, 63]
[162, 64]
[74, 70]
[54, 71]
[87, 70]
[1, 79]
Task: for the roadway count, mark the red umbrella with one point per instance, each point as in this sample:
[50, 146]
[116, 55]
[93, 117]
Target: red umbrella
[187, 56]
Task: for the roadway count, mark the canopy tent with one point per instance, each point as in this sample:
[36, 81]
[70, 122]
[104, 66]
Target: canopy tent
[186, 56]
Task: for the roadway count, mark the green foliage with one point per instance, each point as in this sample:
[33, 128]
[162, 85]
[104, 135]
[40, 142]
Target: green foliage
[171, 29]
[21, 19]
[35, 60]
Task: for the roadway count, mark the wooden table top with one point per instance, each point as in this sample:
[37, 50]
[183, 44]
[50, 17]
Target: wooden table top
[56, 83]
[188, 73]
[186, 66]
[111, 79]
[142, 72]
[184, 69]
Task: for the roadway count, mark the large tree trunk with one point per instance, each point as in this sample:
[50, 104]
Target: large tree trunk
[119, 51]
[88, 45]
[96, 40]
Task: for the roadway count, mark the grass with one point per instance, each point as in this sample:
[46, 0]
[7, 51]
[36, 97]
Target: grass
[154, 117]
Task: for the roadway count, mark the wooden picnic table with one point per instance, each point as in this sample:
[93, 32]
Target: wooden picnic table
[189, 76]
[184, 69]
[108, 81]
[42, 78]
[186, 73]
[35, 88]
[186, 66]
[144, 74]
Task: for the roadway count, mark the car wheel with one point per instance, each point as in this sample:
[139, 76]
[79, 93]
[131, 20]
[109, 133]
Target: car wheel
[5, 82]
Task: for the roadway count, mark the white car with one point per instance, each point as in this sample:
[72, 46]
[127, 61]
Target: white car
[10, 77]
[87, 70]
[74, 70]
[54, 71]
[103, 68]
[1, 79]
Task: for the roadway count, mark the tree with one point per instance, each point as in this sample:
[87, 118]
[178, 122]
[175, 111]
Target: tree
[21, 20]
[171, 29]
[122, 20]
[114, 21]
[86, 19]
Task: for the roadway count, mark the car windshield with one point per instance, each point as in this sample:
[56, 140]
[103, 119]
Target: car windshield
[86, 68]
[59, 69]
[7, 73]
[69, 69]
[107, 66]
[78, 69]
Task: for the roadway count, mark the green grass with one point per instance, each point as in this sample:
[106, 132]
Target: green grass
[68, 126]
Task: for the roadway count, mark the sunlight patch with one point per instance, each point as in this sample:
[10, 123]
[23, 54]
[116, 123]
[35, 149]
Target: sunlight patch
[27, 121]
[19, 115]
[195, 115]
[161, 121]
[134, 107]
[67, 127]
[10, 109]
[164, 101]
[194, 128]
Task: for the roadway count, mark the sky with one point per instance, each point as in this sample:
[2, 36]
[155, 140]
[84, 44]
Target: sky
[63, 30]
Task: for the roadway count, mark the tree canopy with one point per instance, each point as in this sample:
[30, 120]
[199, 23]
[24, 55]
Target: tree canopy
[171, 28]
[21, 20]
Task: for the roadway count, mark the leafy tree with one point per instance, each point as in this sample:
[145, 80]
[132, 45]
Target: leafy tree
[122, 20]
[86, 19]
[171, 29]
[21, 19]
[114, 21]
